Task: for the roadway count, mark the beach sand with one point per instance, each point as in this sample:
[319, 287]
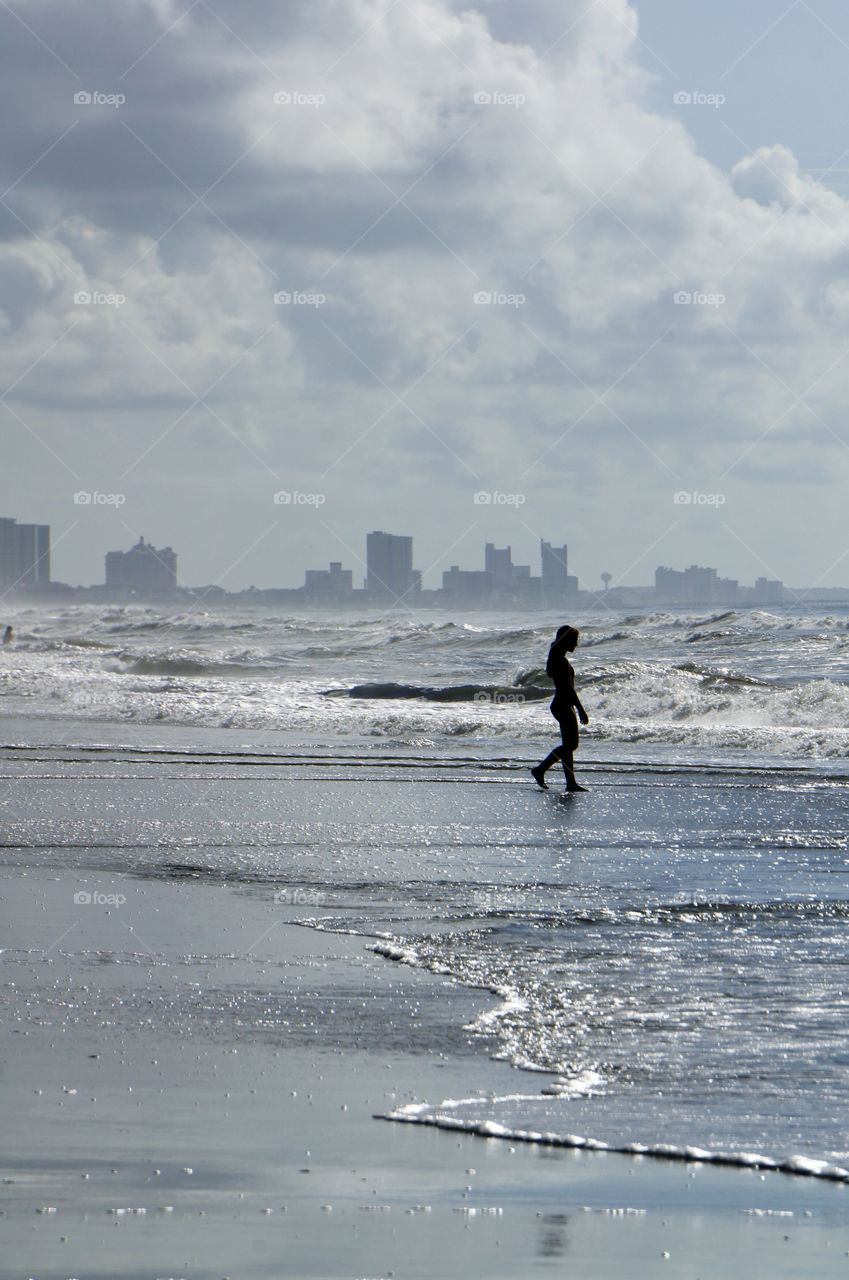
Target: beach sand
[191, 1077]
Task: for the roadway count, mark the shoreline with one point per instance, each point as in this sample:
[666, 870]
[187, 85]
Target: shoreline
[794, 1166]
[219, 1144]
[191, 1076]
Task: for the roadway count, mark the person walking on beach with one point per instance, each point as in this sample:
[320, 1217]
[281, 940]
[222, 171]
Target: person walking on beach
[563, 707]
[7, 636]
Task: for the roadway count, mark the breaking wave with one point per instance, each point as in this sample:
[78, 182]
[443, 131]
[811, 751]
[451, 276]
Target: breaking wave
[711, 682]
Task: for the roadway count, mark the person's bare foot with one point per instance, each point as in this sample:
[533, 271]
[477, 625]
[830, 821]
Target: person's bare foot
[539, 778]
[576, 786]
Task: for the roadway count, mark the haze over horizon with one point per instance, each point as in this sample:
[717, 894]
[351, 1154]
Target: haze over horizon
[398, 254]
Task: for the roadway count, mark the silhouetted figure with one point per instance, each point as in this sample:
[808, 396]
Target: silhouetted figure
[563, 707]
[7, 636]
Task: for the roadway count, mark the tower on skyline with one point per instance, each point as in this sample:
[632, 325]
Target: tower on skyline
[558, 585]
[554, 570]
[24, 554]
[389, 566]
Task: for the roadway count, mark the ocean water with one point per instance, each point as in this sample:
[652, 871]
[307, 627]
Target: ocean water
[751, 681]
[664, 957]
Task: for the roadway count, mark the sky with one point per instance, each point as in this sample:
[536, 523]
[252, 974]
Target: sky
[274, 275]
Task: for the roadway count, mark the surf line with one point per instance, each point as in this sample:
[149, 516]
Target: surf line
[800, 1166]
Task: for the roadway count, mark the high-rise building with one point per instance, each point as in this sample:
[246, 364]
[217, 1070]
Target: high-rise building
[554, 572]
[498, 563]
[389, 566]
[143, 568]
[24, 554]
[509, 582]
[558, 585]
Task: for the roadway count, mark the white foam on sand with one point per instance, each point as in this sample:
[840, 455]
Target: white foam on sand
[441, 1118]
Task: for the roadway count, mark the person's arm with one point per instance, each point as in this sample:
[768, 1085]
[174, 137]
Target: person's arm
[576, 701]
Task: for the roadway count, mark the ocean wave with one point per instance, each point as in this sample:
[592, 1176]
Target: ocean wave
[626, 1037]
[654, 695]
[185, 666]
[723, 676]
[658, 708]
[500, 694]
[782, 695]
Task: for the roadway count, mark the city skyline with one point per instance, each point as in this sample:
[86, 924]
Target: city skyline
[390, 577]
[456, 579]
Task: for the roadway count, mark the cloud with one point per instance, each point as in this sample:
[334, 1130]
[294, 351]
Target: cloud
[419, 156]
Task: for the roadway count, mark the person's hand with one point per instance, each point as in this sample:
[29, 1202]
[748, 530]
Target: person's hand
[583, 716]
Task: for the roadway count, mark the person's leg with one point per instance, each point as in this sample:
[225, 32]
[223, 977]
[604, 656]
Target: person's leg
[540, 771]
[569, 730]
[572, 783]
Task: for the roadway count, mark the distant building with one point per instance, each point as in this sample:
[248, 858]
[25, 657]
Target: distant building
[24, 554]
[554, 561]
[558, 585]
[509, 583]
[768, 591]
[389, 566]
[696, 585]
[465, 586]
[498, 563]
[333, 584]
[143, 568]
[504, 575]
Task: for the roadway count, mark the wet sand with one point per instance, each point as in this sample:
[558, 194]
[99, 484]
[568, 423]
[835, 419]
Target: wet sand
[190, 1077]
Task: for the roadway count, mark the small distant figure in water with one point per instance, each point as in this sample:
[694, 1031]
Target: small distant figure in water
[7, 636]
[563, 707]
